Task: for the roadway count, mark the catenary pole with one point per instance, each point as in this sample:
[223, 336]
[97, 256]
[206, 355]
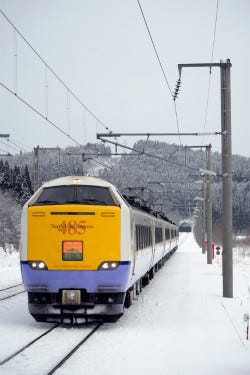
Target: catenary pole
[226, 148]
[203, 214]
[209, 206]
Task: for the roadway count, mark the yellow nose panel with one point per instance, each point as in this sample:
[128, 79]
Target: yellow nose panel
[73, 237]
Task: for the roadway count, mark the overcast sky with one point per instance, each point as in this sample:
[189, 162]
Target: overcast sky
[102, 51]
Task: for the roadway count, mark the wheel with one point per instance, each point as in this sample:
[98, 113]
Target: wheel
[128, 299]
[151, 273]
[145, 279]
[138, 287]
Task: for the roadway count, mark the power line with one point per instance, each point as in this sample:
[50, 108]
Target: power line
[157, 55]
[21, 145]
[161, 66]
[54, 73]
[39, 113]
[7, 153]
[215, 26]
[98, 162]
[149, 155]
[210, 70]
[18, 145]
[9, 146]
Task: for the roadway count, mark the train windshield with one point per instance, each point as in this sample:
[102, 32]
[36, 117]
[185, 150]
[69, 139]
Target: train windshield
[80, 194]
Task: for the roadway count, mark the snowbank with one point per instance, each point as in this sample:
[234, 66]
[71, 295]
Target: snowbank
[10, 267]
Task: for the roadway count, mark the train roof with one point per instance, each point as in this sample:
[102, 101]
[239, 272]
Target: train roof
[140, 204]
[87, 180]
[78, 180]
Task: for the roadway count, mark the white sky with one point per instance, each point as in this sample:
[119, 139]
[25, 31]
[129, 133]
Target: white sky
[102, 51]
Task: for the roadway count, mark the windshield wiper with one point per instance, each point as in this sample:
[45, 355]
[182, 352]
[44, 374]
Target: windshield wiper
[73, 201]
[47, 202]
[92, 200]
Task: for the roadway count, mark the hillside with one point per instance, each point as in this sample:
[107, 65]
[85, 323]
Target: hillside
[167, 184]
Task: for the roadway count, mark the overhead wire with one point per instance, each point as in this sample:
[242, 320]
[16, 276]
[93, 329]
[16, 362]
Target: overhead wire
[98, 162]
[210, 70]
[39, 113]
[148, 154]
[55, 74]
[9, 146]
[161, 66]
[7, 153]
[21, 148]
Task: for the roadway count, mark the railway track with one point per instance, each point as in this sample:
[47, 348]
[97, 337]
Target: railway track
[16, 358]
[10, 287]
[11, 291]
[76, 347]
[26, 346]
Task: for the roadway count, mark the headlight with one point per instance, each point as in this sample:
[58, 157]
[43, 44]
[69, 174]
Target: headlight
[37, 265]
[108, 265]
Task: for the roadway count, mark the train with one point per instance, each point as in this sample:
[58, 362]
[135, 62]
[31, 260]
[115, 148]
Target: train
[86, 250]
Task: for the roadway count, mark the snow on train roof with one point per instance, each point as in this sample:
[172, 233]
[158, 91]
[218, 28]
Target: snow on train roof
[77, 180]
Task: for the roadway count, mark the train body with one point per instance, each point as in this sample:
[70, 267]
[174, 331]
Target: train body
[85, 249]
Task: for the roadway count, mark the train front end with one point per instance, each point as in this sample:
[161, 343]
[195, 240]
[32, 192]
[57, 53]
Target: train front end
[71, 256]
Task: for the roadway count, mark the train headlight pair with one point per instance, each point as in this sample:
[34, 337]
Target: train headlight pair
[37, 265]
[108, 265]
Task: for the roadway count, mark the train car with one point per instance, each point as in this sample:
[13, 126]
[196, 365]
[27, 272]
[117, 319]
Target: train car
[86, 250]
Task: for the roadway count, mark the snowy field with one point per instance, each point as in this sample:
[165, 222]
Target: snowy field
[179, 325]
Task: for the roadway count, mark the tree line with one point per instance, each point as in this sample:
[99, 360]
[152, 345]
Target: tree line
[165, 185]
[15, 181]
[15, 190]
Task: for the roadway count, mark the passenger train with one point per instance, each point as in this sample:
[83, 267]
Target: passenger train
[86, 251]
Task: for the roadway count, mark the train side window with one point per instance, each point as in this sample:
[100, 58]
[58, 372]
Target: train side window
[158, 235]
[150, 237]
[143, 236]
[167, 234]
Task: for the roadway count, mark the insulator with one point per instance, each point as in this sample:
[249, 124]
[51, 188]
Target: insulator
[178, 83]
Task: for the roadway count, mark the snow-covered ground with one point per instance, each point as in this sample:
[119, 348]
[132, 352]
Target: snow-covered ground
[179, 325]
[10, 268]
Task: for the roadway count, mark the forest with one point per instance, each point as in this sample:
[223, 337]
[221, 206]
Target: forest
[167, 181]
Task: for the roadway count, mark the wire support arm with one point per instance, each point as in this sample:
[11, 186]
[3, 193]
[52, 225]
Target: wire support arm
[226, 63]
[116, 135]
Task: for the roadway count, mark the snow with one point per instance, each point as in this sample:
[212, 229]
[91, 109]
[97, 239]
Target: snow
[10, 267]
[179, 325]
